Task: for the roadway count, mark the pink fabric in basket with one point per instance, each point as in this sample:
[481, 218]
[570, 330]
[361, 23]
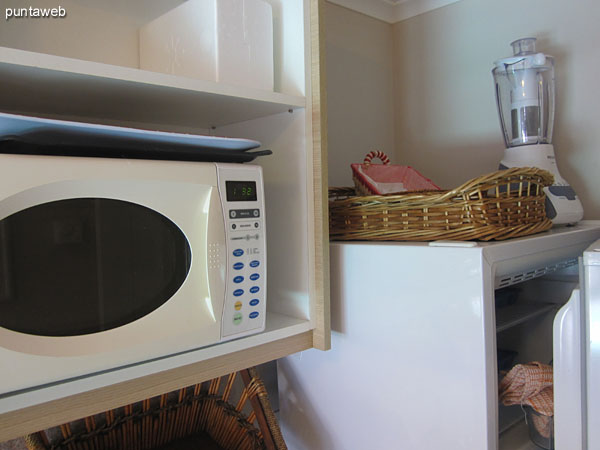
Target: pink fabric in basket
[386, 179]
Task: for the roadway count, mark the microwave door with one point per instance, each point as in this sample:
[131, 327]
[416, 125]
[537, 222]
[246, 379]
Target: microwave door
[104, 271]
[105, 264]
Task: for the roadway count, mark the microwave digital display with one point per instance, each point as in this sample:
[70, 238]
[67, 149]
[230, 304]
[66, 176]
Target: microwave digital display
[241, 191]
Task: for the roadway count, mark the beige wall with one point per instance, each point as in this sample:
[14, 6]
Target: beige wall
[360, 105]
[446, 123]
[85, 33]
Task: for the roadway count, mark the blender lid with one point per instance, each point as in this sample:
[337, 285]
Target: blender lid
[524, 57]
[523, 46]
[534, 61]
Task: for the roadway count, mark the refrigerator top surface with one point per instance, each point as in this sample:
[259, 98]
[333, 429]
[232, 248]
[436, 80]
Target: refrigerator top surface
[582, 231]
[510, 261]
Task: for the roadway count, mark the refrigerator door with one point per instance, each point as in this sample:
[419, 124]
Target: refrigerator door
[568, 387]
[591, 295]
[409, 358]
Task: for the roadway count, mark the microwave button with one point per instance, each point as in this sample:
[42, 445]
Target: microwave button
[253, 289]
[244, 213]
[254, 263]
[238, 292]
[254, 314]
[238, 252]
[254, 276]
[237, 318]
[239, 266]
[238, 305]
[238, 279]
[254, 302]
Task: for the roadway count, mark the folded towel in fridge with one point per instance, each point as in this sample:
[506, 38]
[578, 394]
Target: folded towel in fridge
[530, 384]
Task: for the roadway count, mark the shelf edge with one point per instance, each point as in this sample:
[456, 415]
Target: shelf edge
[27, 420]
[56, 63]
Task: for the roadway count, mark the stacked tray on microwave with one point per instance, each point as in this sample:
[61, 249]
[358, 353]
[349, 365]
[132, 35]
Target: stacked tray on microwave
[41, 136]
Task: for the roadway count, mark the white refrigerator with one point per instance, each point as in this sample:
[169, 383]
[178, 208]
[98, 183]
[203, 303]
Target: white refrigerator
[422, 331]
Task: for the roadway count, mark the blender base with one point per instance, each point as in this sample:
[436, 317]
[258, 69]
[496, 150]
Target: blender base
[562, 204]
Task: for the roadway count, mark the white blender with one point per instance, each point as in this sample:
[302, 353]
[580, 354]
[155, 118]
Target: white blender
[525, 98]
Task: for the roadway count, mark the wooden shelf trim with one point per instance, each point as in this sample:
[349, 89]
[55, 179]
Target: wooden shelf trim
[322, 333]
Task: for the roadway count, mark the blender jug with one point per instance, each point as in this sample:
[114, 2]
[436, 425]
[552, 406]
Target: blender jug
[525, 95]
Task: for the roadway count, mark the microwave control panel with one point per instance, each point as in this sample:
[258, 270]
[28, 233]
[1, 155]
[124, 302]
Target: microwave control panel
[242, 199]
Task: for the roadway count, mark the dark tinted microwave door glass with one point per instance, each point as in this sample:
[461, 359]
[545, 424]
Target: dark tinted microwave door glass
[79, 266]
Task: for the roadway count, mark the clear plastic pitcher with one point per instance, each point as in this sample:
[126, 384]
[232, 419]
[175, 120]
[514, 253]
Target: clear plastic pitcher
[525, 94]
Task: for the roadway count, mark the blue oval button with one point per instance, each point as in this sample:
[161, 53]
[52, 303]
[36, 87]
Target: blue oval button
[254, 314]
[238, 292]
[238, 279]
[254, 289]
[238, 252]
[254, 263]
[254, 276]
[238, 266]
[254, 302]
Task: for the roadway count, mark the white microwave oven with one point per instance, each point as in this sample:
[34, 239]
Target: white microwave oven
[110, 262]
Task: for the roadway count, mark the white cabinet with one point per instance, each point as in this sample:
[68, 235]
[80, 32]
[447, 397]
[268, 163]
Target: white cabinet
[84, 67]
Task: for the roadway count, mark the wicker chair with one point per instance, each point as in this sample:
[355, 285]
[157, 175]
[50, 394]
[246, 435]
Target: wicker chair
[221, 414]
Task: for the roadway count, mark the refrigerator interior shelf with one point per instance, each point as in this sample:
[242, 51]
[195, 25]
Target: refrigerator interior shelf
[508, 417]
[509, 316]
[517, 438]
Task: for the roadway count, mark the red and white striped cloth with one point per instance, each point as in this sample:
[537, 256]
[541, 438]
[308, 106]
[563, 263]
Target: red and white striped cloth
[531, 384]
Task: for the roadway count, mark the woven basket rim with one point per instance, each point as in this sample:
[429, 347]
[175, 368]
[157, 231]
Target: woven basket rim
[499, 205]
[515, 174]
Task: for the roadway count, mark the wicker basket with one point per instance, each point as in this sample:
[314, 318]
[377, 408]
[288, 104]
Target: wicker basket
[501, 205]
[221, 414]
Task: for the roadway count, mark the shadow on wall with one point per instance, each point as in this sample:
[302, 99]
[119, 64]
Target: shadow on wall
[360, 112]
[338, 293]
[303, 418]
[451, 164]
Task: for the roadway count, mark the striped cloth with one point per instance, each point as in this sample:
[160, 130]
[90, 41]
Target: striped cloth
[531, 384]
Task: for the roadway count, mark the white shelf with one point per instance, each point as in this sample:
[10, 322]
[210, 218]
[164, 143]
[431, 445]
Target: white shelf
[104, 93]
[278, 327]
